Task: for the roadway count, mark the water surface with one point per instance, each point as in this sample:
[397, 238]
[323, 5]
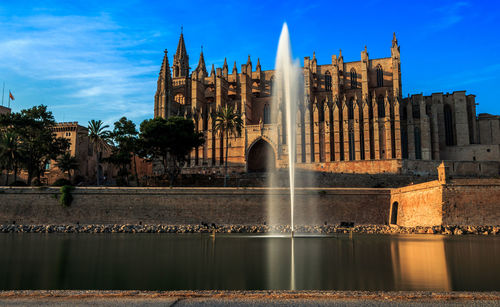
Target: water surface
[244, 262]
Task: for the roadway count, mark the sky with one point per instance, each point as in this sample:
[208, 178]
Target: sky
[100, 59]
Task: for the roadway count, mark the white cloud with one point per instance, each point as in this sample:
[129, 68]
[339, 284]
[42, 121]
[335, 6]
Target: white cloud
[94, 61]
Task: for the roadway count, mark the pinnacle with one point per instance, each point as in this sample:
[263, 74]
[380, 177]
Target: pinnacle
[181, 47]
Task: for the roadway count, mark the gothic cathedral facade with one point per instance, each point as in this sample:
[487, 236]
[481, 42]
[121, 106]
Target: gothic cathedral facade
[351, 112]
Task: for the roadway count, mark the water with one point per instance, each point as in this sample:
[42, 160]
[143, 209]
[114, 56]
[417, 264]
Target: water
[245, 262]
[286, 95]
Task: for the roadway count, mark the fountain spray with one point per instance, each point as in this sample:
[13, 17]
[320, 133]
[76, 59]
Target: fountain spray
[289, 83]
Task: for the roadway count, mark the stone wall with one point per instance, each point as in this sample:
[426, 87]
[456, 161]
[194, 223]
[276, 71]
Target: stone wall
[192, 206]
[417, 205]
[472, 202]
[456, 202]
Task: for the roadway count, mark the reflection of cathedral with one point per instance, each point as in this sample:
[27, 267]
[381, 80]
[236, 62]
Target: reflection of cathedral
[351, 111]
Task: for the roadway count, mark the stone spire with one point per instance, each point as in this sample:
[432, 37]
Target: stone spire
[394, 40]
[201, 63]
[225, 69]
[235, 69]
[258, 63]
[181, 59]
[212, 72]
[163, 96]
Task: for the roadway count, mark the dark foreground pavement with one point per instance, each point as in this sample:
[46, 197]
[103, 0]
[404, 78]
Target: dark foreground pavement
[246, 298]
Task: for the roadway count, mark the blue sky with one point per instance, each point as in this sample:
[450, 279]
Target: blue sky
[100, 59]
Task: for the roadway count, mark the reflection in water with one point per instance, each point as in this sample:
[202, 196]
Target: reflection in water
[420, 264]
[292, 265]
[237, 262]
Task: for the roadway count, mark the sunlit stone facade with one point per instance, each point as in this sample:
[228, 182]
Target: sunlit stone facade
[351, 112]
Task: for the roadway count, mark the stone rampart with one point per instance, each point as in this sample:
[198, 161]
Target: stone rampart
[192, 206]
[456, 202]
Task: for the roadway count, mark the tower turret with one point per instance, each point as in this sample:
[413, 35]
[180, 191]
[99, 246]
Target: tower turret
[225, 69]
[396, 67]
[201, 69]
[163, 96]
[181, 59]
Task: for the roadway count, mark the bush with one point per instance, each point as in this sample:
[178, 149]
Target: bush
[17, 183]
[61, 182]
[66, 198]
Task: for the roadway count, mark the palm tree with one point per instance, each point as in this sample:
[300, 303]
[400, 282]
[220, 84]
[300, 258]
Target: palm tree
[67, 163]
[9, 153]
[228, 122]
[100, 138]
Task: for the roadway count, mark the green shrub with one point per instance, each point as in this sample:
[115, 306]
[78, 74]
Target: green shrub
[61, 182]
[17, 183]
[66, 198]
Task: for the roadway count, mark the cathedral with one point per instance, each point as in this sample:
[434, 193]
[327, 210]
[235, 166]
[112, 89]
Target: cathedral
[352, 119]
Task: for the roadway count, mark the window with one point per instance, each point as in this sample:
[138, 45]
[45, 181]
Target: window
[448, 126]
[381, 106]
[47, 165]
[328, 82]
[354, 78]
[352, 156]
[350, 109]
[271, 86]
[68, 134]
[380, 76]
[418, 146]
[179, 98]
[267, 114]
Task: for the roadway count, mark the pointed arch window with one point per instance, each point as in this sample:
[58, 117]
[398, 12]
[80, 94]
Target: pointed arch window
[381, 106]
[448, 126]
[354, 79]
[352, 149]
[380, 76]
[271, 86]
[418, 144]
[350, 110]
[267, 114]
[328, 81]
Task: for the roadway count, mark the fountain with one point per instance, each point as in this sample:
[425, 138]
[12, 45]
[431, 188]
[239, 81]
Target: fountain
[287, 90]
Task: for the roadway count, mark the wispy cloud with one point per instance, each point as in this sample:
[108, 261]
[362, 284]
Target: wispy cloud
[448, 15]
[92, 58]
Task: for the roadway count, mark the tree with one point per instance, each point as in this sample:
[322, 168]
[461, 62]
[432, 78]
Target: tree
[36, 137]
[100, 138]
[67, 163]
[9, 153]
[169, 141]
[125, 137]
[228, 122]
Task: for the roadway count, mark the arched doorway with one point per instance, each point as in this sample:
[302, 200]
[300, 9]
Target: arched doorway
[260, 157]
[394, 213]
